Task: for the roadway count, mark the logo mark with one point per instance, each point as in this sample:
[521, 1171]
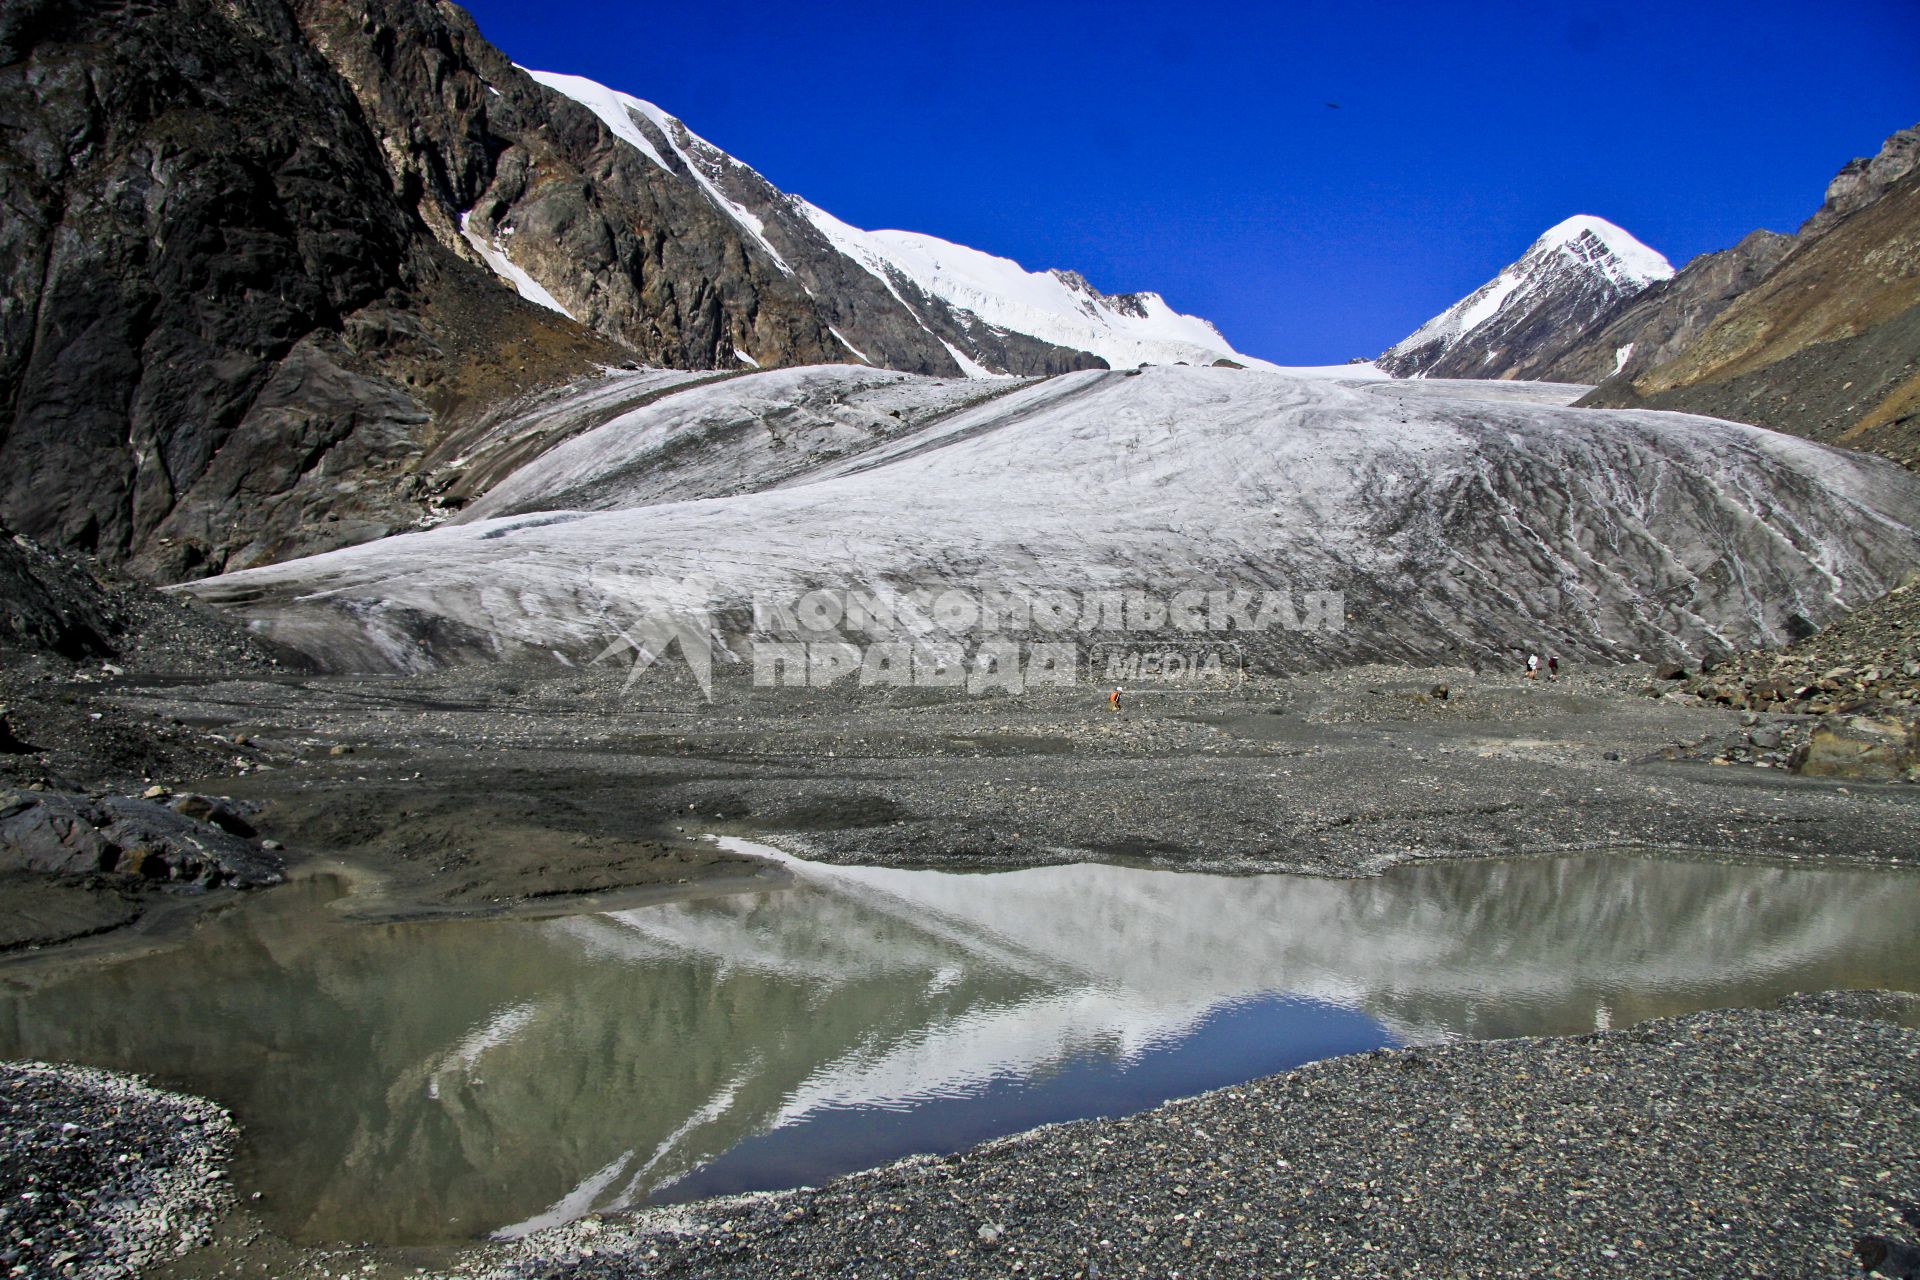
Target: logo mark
[659, 613]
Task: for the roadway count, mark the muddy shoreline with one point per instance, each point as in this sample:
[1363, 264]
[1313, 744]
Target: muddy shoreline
[1340, 773]
[487, 791]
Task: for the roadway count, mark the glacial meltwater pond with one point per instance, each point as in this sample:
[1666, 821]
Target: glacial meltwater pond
[435, 1081]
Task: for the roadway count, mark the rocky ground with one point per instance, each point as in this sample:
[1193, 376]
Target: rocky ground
[484, 789]
[1844, 702]
[91, 839]
[104, 1176]
[1866, 663]
[477, 789]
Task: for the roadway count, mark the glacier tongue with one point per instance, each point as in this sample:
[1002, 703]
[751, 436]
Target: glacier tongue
[1458, 521]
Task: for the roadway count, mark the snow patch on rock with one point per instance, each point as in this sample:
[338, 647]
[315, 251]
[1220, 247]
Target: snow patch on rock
[495, 256]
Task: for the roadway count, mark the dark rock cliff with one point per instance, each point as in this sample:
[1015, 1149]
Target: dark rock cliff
[634, 252]
[221, 336]
[184, 205]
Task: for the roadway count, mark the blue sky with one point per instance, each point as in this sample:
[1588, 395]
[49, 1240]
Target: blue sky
[1191, 149]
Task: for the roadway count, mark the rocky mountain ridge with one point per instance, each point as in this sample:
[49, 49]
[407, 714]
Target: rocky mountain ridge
[1656, 324]
[893, 299]
[1826, 341]
[1816, 333]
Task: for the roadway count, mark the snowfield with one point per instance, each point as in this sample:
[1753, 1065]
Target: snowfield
[1454, 520]
[1056, 306]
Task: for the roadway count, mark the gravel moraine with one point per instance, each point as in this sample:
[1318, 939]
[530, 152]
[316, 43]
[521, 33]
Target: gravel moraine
[1867, 661]
[101, 1175]
[1728, 1143]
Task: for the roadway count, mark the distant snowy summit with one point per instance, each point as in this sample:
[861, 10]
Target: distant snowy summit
[893, 299]
[1558, 289]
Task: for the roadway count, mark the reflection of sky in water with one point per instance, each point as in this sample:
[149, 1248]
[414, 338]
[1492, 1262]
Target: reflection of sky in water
[416, 1082]
[1238, 1041]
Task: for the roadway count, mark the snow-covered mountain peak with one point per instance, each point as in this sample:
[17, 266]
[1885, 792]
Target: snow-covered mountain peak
[1606, 247]
[970, 303]
[1566, 279]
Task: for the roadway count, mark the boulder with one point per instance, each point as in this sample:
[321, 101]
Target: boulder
[63, 834]
[222, 813]
[10, 743]
[52, 833]
[1861, 748]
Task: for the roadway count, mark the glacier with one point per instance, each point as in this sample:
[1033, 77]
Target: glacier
[1459, 521]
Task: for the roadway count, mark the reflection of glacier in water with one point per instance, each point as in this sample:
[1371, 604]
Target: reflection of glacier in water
[415, 1082]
